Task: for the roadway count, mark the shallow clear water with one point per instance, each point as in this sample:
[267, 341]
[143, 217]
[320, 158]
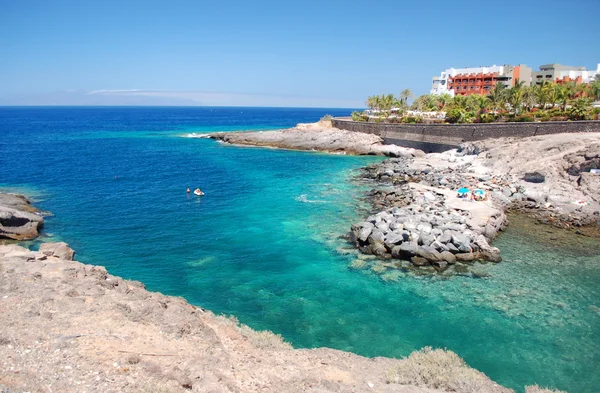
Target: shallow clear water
[264, 243]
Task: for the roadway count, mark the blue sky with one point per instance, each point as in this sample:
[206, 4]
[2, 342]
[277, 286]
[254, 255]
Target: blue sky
[309, 53]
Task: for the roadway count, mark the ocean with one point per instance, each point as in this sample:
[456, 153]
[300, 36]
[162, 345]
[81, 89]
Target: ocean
[266, 242]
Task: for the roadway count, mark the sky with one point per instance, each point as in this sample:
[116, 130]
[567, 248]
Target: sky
[272, 53]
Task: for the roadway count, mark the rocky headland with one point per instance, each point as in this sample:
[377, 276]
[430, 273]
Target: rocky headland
[19, 220]
[420, 220]
[70, 327]
[320, 136]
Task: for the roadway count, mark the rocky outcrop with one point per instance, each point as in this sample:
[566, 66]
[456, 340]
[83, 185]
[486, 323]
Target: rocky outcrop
[319, 136]
[18, 219]
[70, 327]
[431, 227]
[564, 192]
[59, 250]
[419, 217]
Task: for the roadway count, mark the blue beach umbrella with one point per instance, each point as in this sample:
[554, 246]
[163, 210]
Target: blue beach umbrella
[479, 192]
[463, 190]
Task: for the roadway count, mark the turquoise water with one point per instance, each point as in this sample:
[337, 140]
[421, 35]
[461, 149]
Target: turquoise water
[264, 243]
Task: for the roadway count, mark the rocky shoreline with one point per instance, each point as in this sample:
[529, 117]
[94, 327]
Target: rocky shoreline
[417, 217]
[420, 220]
[68, 327]
[19, 220]
[320, 136]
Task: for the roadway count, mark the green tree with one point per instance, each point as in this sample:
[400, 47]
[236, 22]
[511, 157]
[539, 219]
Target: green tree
[498, 96]
[565, 93]
[594, 89]
[425, 103]
[515, 96]
[541, 93]
[404, 96]
[530, 97]
[581, 109]
[443, 100]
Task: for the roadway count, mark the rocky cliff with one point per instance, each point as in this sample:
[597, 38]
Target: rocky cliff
[18, 219]
[70, 327]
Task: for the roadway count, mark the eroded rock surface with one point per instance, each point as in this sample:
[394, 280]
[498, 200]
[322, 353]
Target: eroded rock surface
[70, 327]
[418, 216]
[320, 136]
[18, 219]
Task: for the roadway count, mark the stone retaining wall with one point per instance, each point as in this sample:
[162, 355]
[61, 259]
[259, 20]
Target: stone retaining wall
[455, 134]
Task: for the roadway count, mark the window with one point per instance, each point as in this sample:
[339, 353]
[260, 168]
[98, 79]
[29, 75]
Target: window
[548, 76]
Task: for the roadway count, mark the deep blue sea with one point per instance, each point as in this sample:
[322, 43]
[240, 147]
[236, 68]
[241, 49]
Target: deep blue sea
[264, 243]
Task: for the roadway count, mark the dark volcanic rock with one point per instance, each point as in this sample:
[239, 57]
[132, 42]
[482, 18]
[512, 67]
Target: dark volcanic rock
[534, 177]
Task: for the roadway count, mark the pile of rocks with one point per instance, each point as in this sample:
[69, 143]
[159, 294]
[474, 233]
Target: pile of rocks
[427, 233]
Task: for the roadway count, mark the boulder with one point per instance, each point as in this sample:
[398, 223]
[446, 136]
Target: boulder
[465, 248]
[452, 248]
[490, 231]
[426, 240]
[59, 250]
[429, 253]
[424, 227]
[383, 226]
[439, 246]
[461, 242]
[393, 238]
[18, 224]
[467, 256]
[376, 236]
[492, 255]
[534, 177]
[378, 249]
[405, 250]
[419, 261]
[365, 231]
[448, 257]
[446, 237]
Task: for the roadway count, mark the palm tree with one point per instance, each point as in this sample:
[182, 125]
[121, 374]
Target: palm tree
[425, 103]
[541, 93]
[498, 96]
[595, 89]
[478, 103]
[553, 91]
[387, 103]
[443, 100]
[580, 109]
[515, 96]
[405, 95]
[529, 97]
[565, 93]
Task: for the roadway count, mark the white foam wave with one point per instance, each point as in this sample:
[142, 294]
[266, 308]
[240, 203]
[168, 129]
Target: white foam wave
[302, 198]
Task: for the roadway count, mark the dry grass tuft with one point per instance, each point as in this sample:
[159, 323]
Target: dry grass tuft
[537, 389]
[260, 339]
[265, 339]
[441, 369]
